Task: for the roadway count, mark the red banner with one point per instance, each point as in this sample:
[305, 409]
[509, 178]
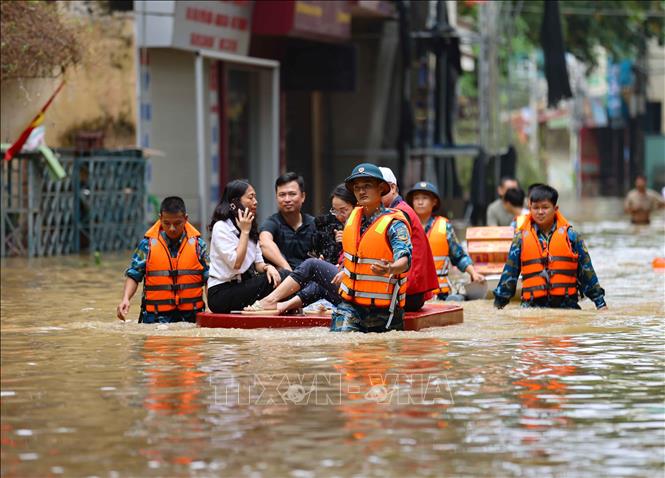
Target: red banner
[36, 121]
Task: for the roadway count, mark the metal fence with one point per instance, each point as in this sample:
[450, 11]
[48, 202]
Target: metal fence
[99, 206]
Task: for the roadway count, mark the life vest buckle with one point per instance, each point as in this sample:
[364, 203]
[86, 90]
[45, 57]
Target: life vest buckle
[545, 274]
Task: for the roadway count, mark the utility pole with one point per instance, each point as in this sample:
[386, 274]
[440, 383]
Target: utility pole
[488, 94]
[534, 145]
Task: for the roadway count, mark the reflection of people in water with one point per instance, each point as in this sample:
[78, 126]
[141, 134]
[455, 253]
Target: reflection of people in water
[173, 378]
[378, 393]
[540, 383]
[640, 202]
[174, 388]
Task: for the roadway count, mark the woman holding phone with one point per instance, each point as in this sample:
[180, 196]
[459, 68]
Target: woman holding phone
[235, 255]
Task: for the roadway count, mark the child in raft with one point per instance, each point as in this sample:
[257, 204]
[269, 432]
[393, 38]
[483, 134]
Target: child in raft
[424, 198]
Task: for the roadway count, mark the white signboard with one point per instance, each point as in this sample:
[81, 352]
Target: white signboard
[222, 26]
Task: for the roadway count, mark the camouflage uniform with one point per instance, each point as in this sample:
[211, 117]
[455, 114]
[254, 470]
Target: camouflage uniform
[587, 281]
[350, 317]
[136, 271]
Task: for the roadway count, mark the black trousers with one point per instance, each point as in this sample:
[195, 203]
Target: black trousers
[223, 298]
[414, 302]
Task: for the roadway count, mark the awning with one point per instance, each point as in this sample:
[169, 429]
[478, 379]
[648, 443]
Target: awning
[313, 20]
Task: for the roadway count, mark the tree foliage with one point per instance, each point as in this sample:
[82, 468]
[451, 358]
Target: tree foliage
[622, 27]
[35, 43]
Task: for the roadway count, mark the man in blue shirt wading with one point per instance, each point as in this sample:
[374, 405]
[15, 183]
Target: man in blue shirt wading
[172, 261]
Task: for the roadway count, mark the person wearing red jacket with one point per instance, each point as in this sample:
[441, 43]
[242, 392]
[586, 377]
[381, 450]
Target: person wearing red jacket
[422, 275]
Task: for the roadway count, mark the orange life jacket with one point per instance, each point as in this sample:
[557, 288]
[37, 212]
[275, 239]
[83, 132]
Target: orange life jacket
[173, 283]
[551, 271]
[360, 285]
[438, 241]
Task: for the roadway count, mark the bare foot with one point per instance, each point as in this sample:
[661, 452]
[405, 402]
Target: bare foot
[267, 303]
[282, 307]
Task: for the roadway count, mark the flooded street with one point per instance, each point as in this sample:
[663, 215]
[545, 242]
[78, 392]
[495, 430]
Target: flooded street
[515, 392]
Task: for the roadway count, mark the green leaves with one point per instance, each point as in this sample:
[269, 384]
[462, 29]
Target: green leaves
[620, 26]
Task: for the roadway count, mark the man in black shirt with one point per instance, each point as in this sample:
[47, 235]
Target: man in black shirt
[286, 236]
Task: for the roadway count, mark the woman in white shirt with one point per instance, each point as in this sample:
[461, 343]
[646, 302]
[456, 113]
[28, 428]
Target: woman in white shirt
[234, 249]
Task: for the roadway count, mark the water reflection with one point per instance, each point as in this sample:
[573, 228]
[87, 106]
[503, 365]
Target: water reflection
[377, 388]
[174, 423]
[173, 381]
[509, 393]
[541, 368]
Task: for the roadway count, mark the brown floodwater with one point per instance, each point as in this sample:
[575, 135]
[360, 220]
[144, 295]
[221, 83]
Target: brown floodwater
[515, 392]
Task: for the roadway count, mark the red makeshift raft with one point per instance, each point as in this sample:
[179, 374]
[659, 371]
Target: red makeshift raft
[438, 314]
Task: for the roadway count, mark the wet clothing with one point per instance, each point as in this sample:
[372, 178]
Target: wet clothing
[422, 274]
[167, 317]
[497, 214]
[293, 244]
[349, 317]
[137, 268]
[323, 242]
[314, 276]
[353, 317]
[644, 203]
[587, 280]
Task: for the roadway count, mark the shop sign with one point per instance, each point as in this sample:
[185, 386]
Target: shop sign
[222, 26]
[313, 20]
[331, 19]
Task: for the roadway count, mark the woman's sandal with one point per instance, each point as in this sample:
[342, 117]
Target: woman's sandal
[257, 309]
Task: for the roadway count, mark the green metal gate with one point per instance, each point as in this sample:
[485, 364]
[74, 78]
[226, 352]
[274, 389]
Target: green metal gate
[99, 206]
